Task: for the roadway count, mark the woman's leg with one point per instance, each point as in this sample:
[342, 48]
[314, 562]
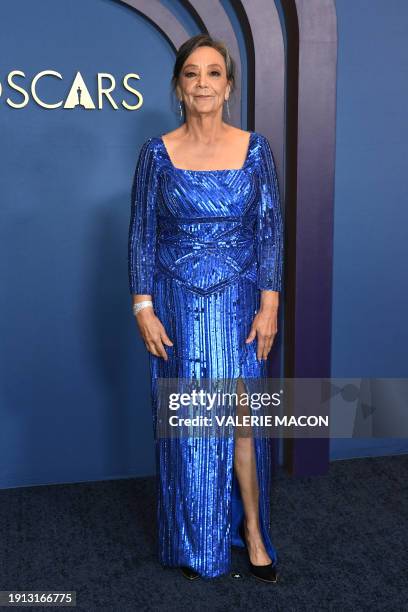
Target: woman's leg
[245, 468]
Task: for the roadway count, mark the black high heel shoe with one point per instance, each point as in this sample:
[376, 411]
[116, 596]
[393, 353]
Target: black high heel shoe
[189, 573]
[266, 573]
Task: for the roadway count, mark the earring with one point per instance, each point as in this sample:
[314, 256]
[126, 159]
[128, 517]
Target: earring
[228, 110]
[181, 110]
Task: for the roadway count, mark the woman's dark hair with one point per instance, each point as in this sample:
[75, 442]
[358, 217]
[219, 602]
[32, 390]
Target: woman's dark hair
[203, 40]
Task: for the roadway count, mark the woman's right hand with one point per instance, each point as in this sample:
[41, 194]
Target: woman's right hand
[153, 332]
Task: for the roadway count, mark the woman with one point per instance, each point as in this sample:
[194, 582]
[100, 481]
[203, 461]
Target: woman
[205, 268]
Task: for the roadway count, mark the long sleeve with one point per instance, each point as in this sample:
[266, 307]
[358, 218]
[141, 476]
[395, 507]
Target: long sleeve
[269, 223]
[143, 222]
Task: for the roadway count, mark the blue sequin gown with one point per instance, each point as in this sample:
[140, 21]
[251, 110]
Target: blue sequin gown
[204, 244]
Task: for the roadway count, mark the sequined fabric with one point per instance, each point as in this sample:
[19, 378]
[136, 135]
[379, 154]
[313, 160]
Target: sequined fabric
[204, 243]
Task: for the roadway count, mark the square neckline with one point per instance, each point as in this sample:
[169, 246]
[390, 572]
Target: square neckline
[249, 147]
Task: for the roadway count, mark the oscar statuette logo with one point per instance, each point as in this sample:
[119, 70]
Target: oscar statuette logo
[78, 95]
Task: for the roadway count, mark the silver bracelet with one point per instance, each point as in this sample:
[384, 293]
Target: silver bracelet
[139, 305]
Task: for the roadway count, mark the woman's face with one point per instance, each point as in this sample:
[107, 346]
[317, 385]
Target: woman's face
[202, 84]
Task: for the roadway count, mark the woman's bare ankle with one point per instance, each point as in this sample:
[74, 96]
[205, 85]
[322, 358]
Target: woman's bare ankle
[252, 526]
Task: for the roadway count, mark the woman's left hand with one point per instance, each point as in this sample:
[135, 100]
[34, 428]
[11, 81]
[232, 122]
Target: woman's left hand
[264, 327]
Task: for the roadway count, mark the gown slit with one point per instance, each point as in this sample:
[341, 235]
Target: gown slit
[236, 498]
[204, 245]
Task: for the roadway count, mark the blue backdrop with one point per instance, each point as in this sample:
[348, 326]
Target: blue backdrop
[370, 289]
[74, 379]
